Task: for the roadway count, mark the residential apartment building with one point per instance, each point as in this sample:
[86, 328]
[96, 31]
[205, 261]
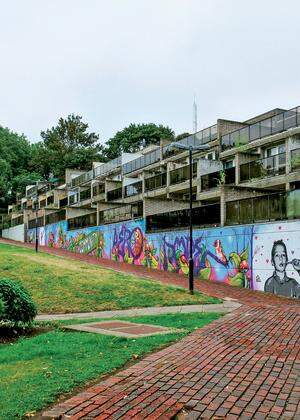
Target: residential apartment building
[249, 173]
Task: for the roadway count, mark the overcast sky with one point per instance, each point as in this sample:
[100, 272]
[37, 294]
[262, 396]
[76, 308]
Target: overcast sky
[121, 61]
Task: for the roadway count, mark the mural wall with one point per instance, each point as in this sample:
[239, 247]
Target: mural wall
[276, 258]
[263, 257]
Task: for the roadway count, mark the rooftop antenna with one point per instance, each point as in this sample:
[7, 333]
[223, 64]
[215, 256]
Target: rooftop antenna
[195, 116]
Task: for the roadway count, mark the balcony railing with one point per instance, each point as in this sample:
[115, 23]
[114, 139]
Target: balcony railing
[100, 170]
[133, 189]
[142, 161]
[155, 182]
[277, 206]
[276, 124]
[115, 194]
[182, 174]
[105, 168]
[263, 168]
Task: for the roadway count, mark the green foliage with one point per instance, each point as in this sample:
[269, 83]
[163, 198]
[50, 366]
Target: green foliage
[182, 136]
[15, 154]
[136, 136]
[39, 369]
[19, 307]
[2, 308]
[66, 145]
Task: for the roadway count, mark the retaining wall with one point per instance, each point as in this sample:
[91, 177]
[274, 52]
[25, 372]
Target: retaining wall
[16, 233]
[238, 255]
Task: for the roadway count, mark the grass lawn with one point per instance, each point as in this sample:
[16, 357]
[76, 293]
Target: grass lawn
[35, 371]
[61, 285]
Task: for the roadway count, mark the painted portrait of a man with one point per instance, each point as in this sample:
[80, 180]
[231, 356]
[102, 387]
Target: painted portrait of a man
[279, 283]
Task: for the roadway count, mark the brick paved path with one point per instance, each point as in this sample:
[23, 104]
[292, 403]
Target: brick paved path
[245, 365]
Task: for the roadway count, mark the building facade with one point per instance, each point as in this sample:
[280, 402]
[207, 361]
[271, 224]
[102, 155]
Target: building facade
[249, 174]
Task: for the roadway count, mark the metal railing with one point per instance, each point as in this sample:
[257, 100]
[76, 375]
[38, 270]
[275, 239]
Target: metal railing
[142, 161]
[267, 127]
[263, 168]
[99, 171]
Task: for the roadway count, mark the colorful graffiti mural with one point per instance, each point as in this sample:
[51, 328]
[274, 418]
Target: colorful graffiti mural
[276, 258]
[219, 254]
[263, 257]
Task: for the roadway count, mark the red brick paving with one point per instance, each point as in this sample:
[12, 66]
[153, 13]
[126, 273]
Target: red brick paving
[245, 365]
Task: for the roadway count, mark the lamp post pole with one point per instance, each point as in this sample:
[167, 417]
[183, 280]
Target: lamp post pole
[191, 260]
[191, 149]
[36, 226]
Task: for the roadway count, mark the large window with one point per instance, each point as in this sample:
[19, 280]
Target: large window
[258, 209]
[55, 217]
[121, 213]
[83, 221]
[206, 215]
[155, 182]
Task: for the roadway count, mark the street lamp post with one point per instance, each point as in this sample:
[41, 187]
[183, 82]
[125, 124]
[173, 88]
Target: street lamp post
[36, 225]
[191, 149]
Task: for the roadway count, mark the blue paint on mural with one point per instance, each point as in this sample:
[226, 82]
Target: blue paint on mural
[240, 256]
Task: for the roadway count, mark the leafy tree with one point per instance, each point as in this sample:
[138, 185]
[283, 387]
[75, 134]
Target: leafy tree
[67, 145]
[20, 182]
[182, 136]
[136, 136]
[15, 154]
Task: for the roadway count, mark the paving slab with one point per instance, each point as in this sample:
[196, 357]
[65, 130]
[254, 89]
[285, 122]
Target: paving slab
[122, 329]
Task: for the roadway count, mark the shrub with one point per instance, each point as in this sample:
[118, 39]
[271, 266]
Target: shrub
[18, 304]
[2, 308]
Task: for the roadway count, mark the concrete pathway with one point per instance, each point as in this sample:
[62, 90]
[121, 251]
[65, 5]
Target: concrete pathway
[244, 365]
[225, 307]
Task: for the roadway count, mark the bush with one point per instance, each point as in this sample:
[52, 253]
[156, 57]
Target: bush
[17, 304]
[2, 308]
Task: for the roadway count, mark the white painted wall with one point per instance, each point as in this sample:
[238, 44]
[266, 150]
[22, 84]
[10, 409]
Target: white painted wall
[16, 233]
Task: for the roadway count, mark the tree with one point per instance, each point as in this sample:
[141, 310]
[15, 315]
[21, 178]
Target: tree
[182, 136]
[67, 145]
[15, 155]
[136, 136]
